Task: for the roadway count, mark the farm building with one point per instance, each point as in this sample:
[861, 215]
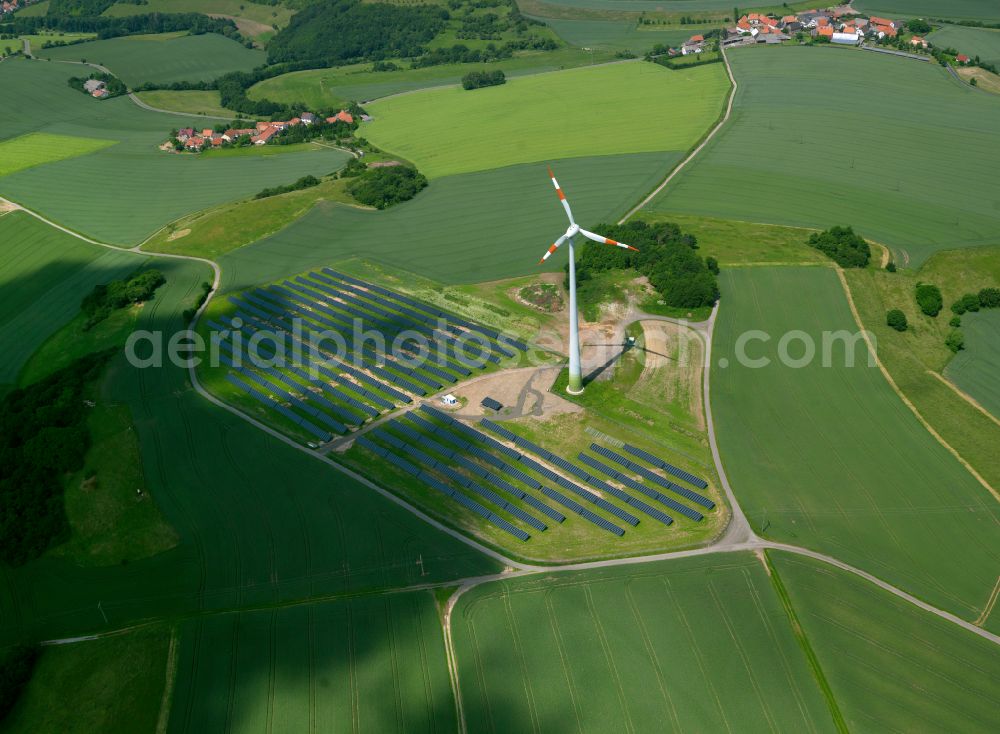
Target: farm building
[848, 39]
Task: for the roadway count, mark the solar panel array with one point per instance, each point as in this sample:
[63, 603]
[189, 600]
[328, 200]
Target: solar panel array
[669, 468]
[652, 476]
[278, 407]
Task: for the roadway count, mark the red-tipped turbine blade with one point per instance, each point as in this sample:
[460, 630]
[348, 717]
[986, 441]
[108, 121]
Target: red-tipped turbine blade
[562, 196]
[605, 240]
[552, 249]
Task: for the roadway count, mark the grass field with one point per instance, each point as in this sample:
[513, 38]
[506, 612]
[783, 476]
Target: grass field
[192, 102]
[809, 176]
[374, 663]
[162, 58]
[321, 88]
[976, 368]
[44, 274]
[691, 645]
[986, 10]
[35, 149]
[150, 186]
[276, 524]
[981, 42]
[891, 666]
[449, 131]
[830, 458]
[916, 357]
[434, 235]
[113, 685]
[985, 80]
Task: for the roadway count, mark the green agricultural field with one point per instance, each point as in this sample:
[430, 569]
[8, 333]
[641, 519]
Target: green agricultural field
[376, 663]
[975, 369]
[699, 644]
[34, 149]
[162, 58]
[37, 40]
[449, 131]
[981, 42]
[112, 686]
[434, 236]
[258, 521]
[828, 163]
[890, 665]
[830, 458]
[320, 88]
[146, 187]
[625, 35]
[264, 13]
[191, 102]
[985, 10]
[44, 273]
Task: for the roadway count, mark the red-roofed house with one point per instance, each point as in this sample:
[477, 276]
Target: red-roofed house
[875, 20]
[825, 31]
[194, 143]
[962, 59]
[918, 41]
[342, 116]
[264, 135]
[217, 140]
[261, 126]
[207, 132]
[881, 30]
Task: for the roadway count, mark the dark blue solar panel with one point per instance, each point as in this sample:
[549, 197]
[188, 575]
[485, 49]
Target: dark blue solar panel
[582, 511]
[669, 468]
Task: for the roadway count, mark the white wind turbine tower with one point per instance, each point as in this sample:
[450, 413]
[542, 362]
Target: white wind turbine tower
[575, 386]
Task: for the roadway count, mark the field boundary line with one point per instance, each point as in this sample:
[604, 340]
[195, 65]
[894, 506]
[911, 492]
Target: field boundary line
[965, 396]
[167, 699]
[733, 86]
[902, 396]
[991, 602]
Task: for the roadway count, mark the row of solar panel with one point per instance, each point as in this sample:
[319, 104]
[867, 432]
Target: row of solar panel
[583, 511]
[531, 481]
[276, 406]
[368, 299]
[310, 360]
[638, 486]
[653, 477]
[578, 472]
[339, 325]
[305, 377]
[379, 317]
[549, 474]
[669, 468]
[431, 481]
[428, 308]
[389, 377]
[632, 484]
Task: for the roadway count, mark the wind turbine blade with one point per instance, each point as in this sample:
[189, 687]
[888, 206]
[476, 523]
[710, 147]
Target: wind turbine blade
[552, 249]
[562, 197]
[605, 240]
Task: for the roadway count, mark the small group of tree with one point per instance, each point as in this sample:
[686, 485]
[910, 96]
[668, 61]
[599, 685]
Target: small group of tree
[43, 436]
[306, 182]
[206, 289]
[462, 54]
[115, 86]
[918, 26]
[929, 299]
[16, 666]
[896, 319]
[384, 186]
[477, 79]
[843, 246]
[385, 66]
[666, 256]
[107, 298]
[969, 303]
[111, 27]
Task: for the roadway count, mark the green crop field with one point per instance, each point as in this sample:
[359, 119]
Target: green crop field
[536, 118]
[986, 10]
[374, 663]
[258, 522]
[163, 58]
[148, 187]
[35, 149]
[792, 97]
[698, 644]
[320, 88]
[192, 102]
[435, 236]
[890, 665]
[830, 458]
[274, 15]
[112, 686]
[981, 42]
[975, 369]
[43, 275]
[624, 35]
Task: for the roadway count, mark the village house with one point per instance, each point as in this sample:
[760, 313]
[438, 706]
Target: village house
[919, 42]
[184, 133]
[342, 116]
[194, 143]
[9, 7]
[962, 59]
[694, 45]
[308, 118]
[264, 135]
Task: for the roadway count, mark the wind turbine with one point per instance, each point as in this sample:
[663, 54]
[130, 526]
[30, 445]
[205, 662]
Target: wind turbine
[575, 385]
